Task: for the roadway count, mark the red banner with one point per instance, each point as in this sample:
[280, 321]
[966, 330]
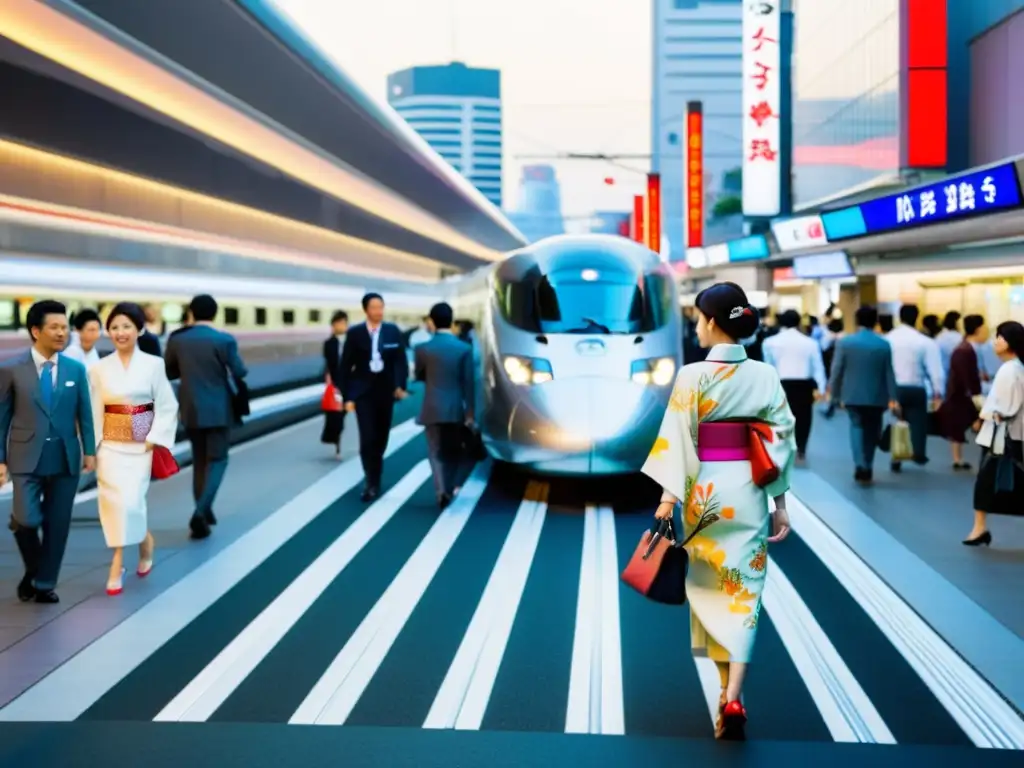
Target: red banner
[637, 220]
[654, 212]
[694, 175]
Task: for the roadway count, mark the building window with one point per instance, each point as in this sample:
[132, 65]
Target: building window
[261, 316]
[230, 316]
[314, 315]
[288, 317]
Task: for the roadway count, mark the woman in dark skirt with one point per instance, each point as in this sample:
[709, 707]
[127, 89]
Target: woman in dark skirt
[334, 420]
[959, 412]
[999, 488]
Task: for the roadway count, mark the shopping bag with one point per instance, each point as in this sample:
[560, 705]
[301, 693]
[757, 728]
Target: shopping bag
[900, 446]
[331, 401]
[164, 464]
[657, 569]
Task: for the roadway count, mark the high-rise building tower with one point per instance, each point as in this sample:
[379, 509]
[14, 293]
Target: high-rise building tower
[698, 56]
[457, 111]
[539, 213]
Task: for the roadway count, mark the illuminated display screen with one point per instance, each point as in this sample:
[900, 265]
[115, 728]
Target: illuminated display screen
[959, 197]
[821, 265]
[748, 249]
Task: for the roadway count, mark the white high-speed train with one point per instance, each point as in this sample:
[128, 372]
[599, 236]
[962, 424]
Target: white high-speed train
[580, 341]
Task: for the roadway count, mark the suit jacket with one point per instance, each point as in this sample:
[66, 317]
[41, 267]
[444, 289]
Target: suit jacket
[208, 364]
[25, 422]
[355, 377]
[862, 372]
[446, 365]
[149, 343]
[332, 360]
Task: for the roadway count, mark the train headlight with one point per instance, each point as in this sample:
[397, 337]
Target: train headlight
[659, 371]
[527, 370]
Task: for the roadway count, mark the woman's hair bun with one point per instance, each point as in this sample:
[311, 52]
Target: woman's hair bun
[727, 305]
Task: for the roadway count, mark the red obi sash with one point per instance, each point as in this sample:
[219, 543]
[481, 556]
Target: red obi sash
[739, 441]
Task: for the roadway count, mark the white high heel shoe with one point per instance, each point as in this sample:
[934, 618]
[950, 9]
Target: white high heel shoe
[116, 586]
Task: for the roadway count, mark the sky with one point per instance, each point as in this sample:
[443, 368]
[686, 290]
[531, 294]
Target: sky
[576, 75]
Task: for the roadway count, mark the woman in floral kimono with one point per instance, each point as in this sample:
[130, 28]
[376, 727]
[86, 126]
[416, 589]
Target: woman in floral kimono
[999, 487]
[134, 409]
[702, 458]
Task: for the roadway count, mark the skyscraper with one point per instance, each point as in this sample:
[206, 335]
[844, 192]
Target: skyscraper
[457, 111]
[539, 213]
[698, 56]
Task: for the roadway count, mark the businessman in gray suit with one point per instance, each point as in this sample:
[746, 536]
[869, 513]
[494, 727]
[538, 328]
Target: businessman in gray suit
[864, 383]
[208, 364]
[44, 412]
[445, 364]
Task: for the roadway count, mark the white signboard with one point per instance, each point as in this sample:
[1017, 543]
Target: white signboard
[794, 234]
[696, 258]
[762, 94]
[717, 254]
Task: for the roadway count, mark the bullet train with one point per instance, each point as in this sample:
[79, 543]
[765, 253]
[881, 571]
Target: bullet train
[580, 339]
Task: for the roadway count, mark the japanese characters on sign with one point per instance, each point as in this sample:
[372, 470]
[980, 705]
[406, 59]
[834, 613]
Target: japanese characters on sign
[693, 197]
[969, 194]
[761, 102]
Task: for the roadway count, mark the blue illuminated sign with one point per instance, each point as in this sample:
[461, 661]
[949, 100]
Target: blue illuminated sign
[959, 197]
[748, 248]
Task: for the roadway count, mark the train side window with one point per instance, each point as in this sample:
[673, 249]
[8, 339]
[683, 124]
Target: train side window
[9, 316]
[261, 315]
[288, 316]
[314, 316]
[230, 315]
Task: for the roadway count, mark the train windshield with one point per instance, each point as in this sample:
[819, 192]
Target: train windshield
[586, 301]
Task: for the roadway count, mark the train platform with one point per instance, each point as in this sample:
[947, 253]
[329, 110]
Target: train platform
[497, 632]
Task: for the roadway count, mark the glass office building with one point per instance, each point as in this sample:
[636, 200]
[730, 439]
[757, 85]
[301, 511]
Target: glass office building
[698, 56]
[846, 95]
[539, 213]
[457, 111]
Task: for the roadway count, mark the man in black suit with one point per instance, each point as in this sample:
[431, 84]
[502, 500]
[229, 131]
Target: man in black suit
[373, 374]
[210, 368]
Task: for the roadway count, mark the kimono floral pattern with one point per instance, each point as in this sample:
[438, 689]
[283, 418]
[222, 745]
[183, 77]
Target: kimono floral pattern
[724, 514]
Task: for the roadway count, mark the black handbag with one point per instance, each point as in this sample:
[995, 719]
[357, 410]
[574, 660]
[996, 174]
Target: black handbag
[659, 565]
[239, 398]
[473, 444]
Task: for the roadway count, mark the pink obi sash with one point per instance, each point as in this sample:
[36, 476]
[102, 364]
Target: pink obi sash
[739, 441]
[723, 441]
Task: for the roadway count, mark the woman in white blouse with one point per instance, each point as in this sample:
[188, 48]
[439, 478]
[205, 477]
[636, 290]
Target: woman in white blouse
[999, 488]
[134, 409]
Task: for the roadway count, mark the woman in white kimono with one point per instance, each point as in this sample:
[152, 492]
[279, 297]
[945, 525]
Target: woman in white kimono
[705, 459]
[134, 409]
[999, 487]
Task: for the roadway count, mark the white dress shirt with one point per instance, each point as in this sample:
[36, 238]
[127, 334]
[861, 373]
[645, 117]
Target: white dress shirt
[39, 360]
[88, 359]
[917, 360]
[948, 341]
[1007, 400]
[376, 361]
[795, 356]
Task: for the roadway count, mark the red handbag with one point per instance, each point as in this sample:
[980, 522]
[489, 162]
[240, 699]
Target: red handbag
[331, 401]
[164, 463]
[762, 469]
[657, 569]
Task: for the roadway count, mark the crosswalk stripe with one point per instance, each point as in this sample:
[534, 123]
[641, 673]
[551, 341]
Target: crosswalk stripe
[211, 687]
[462, 699]
[987, 719]
[595, 682]
[76, 685]
[337, 692]
[844, 706]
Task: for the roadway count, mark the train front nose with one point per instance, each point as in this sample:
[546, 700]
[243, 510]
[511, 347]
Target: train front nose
[587, 425]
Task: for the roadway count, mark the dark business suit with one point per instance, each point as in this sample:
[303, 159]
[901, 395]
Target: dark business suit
[207, 362]
[445, 364]
[149, 343]
[373, 392]
[863, 380]
[43, 421]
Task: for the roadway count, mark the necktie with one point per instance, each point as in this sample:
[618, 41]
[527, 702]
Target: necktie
[46, 384]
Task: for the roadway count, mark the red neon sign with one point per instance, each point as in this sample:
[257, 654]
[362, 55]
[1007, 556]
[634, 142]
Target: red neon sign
[694, 175]
[637, 220]
[926, 82]
[653, 218]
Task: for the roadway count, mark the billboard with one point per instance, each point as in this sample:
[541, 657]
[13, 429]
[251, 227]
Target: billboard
[762, 97]
[636, 229]
[693, 173]
[801, 232]
[653, 217]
